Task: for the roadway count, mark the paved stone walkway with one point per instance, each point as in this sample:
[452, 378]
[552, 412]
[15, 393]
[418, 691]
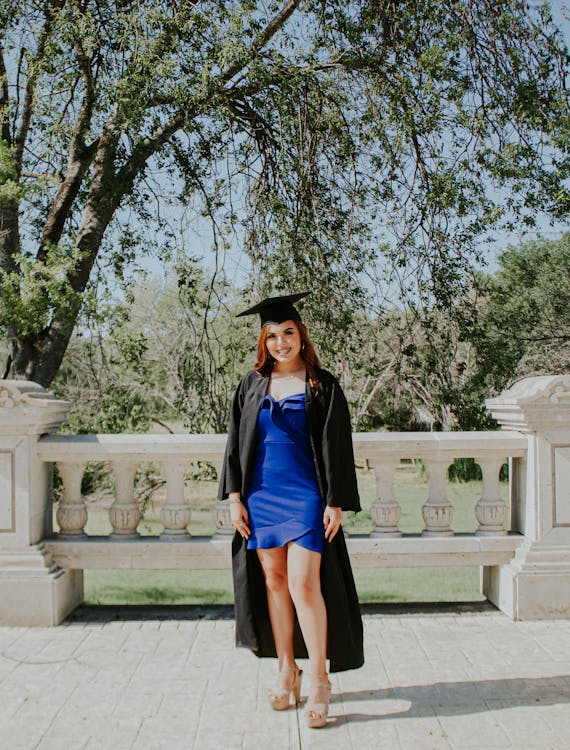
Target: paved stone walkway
[432, 681]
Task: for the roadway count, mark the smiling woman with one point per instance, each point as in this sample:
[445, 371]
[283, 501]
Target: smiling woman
[289, 473]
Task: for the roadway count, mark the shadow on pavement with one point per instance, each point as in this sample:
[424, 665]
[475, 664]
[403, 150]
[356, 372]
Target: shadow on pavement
[457, 698]
[111, 613]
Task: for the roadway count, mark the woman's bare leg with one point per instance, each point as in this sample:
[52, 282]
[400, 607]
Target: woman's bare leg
[304, 579]
[274, 564]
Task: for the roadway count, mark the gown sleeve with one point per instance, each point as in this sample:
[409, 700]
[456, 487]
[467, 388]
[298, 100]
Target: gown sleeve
[231, 475]
[338, 453]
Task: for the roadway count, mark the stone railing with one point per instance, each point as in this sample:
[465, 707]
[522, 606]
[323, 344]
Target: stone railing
[383, 452]
[523, 550]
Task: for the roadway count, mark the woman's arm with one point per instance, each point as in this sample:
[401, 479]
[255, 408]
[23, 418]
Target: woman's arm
[239, 515]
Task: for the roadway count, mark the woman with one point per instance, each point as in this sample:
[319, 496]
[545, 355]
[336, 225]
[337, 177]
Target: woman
[289, 473]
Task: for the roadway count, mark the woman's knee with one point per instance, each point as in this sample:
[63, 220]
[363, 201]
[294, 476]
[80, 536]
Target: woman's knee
[304, 586]
[275, 579]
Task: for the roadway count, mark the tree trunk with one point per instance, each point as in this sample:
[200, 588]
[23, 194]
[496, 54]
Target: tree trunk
[38, 357]
[9, 235]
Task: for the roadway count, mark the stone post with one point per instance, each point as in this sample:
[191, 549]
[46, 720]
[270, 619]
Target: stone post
[224, 528]
[175, 514]
[385, 510]
[536, 583]
[33, 590]
[437, 510]
[490, 511]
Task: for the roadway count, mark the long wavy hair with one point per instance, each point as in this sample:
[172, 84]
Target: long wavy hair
[265, 361]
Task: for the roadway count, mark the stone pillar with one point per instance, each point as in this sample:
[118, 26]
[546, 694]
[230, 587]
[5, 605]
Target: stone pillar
[491, 511]
[536, 583]
[385, 510]
[224, 529]
[71, 512]
[437, 510]
[124, 514]
[33, 591]
[175, 513]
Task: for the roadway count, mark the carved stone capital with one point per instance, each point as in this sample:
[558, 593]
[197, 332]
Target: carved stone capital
[533, 404]
[28, 409]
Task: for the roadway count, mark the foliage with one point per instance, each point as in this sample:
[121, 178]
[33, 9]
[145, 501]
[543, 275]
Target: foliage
[436, 372]
[524, 325]
[172, 358]
[417, 374]
[346, 146]
[168, 358]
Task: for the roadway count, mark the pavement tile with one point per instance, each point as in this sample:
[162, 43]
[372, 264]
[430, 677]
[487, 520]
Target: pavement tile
[431, 682]
[255, 740]
[464, 731]
[524, 728]
[25, 739]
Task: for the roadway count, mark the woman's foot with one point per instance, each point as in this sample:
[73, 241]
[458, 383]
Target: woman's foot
[288, 683]
[318, 701]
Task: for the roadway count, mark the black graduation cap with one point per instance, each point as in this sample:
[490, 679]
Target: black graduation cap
[276, 309]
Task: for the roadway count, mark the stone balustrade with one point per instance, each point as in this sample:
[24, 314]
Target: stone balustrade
[382, 451]
[523, 548]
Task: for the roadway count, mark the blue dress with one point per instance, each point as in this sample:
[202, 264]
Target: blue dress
[283, 497]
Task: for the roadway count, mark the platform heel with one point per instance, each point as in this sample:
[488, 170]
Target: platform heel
[280, 701]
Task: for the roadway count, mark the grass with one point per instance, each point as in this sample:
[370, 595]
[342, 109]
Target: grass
[215, 586]
[158, 587]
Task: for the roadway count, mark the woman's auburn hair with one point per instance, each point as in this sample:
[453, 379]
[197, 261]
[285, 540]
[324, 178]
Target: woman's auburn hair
[265, 361]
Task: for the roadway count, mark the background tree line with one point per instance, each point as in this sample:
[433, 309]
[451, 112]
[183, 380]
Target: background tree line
[165, 361]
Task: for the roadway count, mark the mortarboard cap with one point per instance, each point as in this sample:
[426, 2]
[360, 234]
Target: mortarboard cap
[276, 309]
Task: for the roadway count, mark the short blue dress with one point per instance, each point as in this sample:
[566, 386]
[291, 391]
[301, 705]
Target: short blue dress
[283, 497]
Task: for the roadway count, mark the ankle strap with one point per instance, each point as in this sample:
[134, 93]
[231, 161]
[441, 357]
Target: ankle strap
[319, 679]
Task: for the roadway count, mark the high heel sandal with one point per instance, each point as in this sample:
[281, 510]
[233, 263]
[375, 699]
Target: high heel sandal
[280, 701]
[316, 713]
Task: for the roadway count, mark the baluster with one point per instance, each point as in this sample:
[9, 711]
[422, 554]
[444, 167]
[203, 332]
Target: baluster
[437, 511]
[124, 513]
[222, 518]
[385, 510]
[490, 510]
[224, 528]
[71, 512]
[175, 513]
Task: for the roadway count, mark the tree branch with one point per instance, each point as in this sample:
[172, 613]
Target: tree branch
[4, 101]
[32, 80]
[276, 23]
[147, 146]
[79, 159]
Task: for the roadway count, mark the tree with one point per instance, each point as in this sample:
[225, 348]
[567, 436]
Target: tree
[334, 125]
[523, 326]
[436, 373]
[156, 362]
[160, 360]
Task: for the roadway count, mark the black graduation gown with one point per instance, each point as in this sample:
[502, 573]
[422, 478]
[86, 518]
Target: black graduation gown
[331, 439]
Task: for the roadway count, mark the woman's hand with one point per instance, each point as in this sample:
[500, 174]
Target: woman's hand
[239, 516]
[332, 519]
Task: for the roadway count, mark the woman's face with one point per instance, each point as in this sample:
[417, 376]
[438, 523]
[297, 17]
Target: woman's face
[284, 342]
